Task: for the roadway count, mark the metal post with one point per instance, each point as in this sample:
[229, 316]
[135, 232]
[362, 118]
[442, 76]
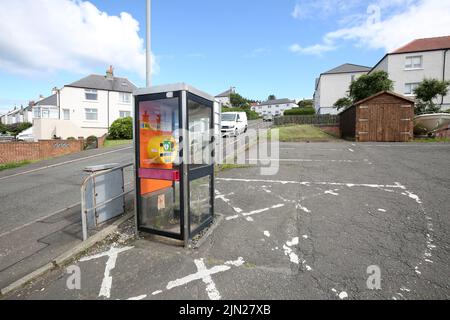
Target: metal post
[186, 159]
[84, 211]
[149, 47]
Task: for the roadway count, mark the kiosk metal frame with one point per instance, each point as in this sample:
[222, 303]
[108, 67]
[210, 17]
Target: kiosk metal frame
[187, 172]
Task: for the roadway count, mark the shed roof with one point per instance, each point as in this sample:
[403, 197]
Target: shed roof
[382, 93]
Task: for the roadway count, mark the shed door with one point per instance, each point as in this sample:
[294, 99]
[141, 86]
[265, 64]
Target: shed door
[385, 122]
[388, 123]
[406, 125]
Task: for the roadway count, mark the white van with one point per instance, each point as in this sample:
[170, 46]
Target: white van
[234, 123]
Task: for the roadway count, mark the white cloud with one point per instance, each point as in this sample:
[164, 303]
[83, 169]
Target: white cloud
[322, 8]
[67, 35]
[258, 52]
[317, 49]
[391, 26]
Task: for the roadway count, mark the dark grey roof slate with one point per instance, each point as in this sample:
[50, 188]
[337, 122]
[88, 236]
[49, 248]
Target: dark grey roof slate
[99, 82]
[225, 94]
[348, 68]
[277, 101]
[49, 101]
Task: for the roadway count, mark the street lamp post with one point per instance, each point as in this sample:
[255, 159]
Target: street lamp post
[149, 48]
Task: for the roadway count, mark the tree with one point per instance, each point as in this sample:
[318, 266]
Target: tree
[306, 103]
[272, 97]
[17, 128]
[370, 84]
[344, 102]
[121, 129]
[427, 91]
[239, 101]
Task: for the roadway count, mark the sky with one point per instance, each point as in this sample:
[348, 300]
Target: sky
[260, 47]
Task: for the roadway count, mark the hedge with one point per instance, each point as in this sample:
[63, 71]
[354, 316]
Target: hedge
[300, 112]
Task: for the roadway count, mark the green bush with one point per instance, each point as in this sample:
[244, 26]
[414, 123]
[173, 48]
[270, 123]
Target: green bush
[71, 138]
[300, 112]
[3, 128]
[91, 143]
[121, 129]
[17, 128]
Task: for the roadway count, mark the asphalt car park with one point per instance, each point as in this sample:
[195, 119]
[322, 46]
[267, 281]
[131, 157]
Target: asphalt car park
[335, 221]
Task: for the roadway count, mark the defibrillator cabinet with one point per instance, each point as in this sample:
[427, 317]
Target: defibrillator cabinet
[174, 160]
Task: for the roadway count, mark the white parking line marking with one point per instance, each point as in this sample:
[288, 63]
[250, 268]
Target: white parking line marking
[112, 254]
[138, 297]
[268, 160]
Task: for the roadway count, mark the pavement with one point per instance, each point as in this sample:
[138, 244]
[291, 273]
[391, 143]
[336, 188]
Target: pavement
[40, 216]
[333, 217]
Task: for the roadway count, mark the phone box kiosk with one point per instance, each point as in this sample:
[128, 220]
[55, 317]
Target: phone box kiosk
[174, 145]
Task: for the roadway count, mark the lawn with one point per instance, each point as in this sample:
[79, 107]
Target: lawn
[13, 165]
[303, 132]
[443, 139]
[114, 143]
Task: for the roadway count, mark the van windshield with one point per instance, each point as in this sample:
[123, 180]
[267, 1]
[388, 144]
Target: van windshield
[228, 117]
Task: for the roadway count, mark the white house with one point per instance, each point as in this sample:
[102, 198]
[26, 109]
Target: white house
[224, 97]
[17, 115]
[334, 84]
[274, 107]
[417, 60]
[83, 108]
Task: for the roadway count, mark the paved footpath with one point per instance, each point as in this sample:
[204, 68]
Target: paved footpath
[333, 212]
[40, 212]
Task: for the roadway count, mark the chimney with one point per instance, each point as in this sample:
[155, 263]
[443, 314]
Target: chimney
[55, 90]
[110, 73]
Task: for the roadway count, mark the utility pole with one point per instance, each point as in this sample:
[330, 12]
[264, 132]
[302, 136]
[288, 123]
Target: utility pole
[149, 47]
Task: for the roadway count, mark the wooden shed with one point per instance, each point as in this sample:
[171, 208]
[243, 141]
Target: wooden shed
[384, 117]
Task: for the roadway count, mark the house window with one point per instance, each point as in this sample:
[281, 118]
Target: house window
[45, 113]
[91, 114]
[91, 94]
[124, 114]
[124, 97]
[414, 62]
[66, 114]
[409, 88]
[353, 78]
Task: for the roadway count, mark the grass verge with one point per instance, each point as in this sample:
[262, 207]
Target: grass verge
[305, 132]
[226, 166]
[443, 139]
[13, 165]
[114, 143]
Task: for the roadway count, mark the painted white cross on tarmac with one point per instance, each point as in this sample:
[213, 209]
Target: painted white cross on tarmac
[105, 290]
[205, 275]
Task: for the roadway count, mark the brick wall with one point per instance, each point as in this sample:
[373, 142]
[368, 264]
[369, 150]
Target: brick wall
[21, 151]
[101, 140]
[334, 130]
[443, 133]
